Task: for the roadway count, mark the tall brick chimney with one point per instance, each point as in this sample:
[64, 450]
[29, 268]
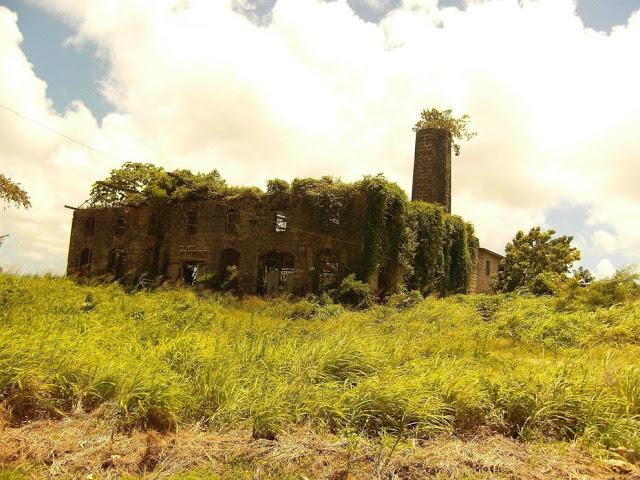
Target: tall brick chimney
[432, 167]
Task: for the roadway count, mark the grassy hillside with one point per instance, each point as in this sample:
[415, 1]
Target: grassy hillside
[524, 368]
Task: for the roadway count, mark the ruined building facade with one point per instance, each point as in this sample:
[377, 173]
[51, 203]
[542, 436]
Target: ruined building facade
[248, 243]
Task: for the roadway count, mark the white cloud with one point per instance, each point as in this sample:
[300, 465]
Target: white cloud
[319, 91]
[605, 268]
[605, 241]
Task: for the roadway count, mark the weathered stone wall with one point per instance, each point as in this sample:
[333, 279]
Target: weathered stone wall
[432, 167]
[158, 241]
[487, 264]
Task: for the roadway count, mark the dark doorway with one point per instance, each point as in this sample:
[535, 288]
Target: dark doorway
[117, 263]
[328, 268]
[384, 282]
[229, 267]
[275, 272]
[190, 273]
[85, 262]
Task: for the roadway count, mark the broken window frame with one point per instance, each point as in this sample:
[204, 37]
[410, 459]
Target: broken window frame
[232, 224]
[283, 263]
[121, 225]
[191, 222]
[280, 222]
[330, 220]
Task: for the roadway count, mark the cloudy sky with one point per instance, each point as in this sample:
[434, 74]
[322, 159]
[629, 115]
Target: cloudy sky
[283, 88]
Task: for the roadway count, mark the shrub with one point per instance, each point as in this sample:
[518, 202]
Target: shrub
[403, 300]
[620, 288]
[355, 293]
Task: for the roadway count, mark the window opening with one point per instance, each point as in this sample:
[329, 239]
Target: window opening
[121, 225]
[330, 220]
[89, 226]
[233, 222]
[280, 222]
[191, 222]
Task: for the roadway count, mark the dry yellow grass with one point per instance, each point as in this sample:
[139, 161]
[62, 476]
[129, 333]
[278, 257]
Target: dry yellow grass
[84, 446]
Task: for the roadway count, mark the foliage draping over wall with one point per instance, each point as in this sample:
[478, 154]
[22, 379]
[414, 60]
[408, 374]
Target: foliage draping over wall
[373, 218]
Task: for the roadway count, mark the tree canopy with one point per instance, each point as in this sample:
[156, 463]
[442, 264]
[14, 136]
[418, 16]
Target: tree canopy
[535, 261]
[12, 194]
[457, 127]
[138, 183]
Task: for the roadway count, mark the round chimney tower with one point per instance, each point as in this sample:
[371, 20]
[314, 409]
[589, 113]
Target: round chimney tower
[432, 167]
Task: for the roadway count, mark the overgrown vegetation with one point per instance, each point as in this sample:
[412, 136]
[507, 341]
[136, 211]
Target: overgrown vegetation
[457, 127]
[530, 368]
[371, 218]
[539, 263]
[441, 250]
[11, 193]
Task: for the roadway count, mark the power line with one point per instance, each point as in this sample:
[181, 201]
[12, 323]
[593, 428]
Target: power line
[216, 200]
[53, 130]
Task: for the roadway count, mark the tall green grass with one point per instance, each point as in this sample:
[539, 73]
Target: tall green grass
[525, 367]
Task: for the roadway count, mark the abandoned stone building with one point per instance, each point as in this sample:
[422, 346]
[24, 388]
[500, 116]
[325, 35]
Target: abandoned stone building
[251, 245]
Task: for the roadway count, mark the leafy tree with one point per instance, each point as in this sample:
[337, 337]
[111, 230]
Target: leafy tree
[137, 183]
[129, 184]
[457, 127]
[536, 261]
[583, 276]
[12, 194]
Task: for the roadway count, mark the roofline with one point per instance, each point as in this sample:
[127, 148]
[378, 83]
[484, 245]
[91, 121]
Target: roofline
[490, 251]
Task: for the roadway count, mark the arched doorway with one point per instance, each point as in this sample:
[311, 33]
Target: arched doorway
[275, 272]
[229, 267]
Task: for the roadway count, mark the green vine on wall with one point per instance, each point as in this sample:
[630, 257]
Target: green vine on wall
[442, 250]
[379, 229]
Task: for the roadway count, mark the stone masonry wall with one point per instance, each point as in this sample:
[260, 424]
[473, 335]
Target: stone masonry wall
[432, 167]
[158, 241]
[487, 265]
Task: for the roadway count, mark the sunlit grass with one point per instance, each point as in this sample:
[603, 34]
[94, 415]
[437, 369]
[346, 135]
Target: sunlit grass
[517, 366]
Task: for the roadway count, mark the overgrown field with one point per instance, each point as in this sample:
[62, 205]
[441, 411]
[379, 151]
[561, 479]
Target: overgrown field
[522, 367]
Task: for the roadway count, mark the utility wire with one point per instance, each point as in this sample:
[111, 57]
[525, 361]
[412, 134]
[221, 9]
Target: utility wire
[53, 130]
[216, 200]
